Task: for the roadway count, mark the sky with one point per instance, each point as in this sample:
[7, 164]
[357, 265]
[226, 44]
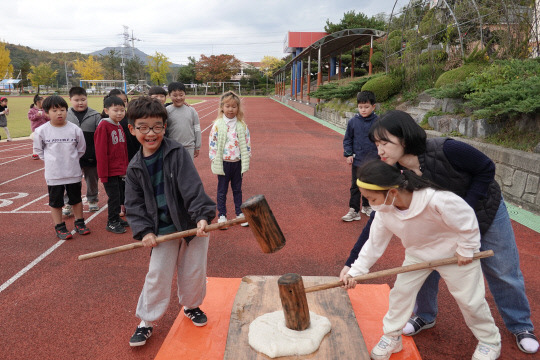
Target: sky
[248, 29]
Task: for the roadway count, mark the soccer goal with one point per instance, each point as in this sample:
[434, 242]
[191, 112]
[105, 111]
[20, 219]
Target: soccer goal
[102, 87]
[219, 87]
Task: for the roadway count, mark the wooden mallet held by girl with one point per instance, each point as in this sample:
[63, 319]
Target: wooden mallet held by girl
[257, 214]
[293, 293]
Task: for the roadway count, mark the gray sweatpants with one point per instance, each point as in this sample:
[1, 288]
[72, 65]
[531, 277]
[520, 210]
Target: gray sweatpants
[189, 261]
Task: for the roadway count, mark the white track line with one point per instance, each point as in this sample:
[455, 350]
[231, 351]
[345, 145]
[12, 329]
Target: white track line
[31, 202]
[28, 267]
[18, 147]
[16, 159]
[30, 173]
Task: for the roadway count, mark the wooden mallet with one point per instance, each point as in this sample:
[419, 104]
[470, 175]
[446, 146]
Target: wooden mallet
[293, 293]
[257, 214]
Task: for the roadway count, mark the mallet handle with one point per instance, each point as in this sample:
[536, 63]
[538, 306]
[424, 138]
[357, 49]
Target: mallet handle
[399, 270]
[160, 239]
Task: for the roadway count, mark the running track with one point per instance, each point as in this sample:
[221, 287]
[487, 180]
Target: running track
[53, 306]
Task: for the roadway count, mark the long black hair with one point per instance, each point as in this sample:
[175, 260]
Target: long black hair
[401, 125]
[37, 98]
[377, 172]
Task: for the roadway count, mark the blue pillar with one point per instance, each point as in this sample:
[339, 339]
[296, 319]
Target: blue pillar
[333, 64]
[298, 72]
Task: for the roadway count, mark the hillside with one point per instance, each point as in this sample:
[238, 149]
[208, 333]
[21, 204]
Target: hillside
[128, 53]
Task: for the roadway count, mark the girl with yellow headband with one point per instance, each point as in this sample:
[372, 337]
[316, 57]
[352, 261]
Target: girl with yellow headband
[432, 224]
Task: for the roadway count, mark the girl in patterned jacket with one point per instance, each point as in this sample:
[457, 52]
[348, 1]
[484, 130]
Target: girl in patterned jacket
[230, 152]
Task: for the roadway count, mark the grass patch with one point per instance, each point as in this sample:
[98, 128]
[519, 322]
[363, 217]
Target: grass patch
[512, 137]
[17, 120]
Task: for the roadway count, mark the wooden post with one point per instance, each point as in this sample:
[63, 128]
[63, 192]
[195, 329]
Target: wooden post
[294, 301]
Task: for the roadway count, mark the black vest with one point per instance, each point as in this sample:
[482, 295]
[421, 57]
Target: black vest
[436, 167]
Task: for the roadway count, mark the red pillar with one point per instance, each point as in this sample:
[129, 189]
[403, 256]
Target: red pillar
[302, 87]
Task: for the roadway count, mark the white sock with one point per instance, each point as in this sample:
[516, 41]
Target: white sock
[529, 344]
[408, 329]
[146, 324]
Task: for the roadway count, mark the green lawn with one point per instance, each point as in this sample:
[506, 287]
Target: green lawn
[17, 120]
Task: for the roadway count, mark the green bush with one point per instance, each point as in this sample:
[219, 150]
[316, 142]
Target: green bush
[394, 34]
[437, 56]
[502, 90]
[383, 87]
[334, 91]
[377, 60]
[457, 75]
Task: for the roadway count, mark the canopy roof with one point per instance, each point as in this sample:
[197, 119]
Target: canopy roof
[10, 81]
[335, 43]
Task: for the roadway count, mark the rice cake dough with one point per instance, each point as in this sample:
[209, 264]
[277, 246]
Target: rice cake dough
[269, 335]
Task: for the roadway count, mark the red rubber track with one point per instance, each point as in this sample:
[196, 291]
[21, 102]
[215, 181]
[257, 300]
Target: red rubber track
[65, 308]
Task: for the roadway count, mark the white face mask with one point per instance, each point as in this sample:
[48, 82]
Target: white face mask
[384, 207]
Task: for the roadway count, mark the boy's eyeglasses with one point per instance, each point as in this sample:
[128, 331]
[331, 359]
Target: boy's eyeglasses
[146, 129]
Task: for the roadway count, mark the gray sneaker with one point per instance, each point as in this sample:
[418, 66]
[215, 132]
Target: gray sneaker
[93, 206]
[367, 210]
[67, 210]
[351, 216]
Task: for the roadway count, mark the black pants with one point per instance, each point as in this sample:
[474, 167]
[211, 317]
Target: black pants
[233, 174]
[114, 187]
[354, 201]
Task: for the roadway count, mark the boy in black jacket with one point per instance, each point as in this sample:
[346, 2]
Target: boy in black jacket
[165, 194]
[358, 149]
[88, 120]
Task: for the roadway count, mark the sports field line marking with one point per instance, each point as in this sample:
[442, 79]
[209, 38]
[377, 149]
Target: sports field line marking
[28, 267]
[17, 147]
[28, 203]
[18, 177]
[16, 159]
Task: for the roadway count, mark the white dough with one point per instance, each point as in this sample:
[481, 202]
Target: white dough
[269, 335]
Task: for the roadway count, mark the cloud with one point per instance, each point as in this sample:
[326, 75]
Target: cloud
[247, 29]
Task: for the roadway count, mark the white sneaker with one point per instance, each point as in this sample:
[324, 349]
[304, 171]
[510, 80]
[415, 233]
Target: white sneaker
[220, 220]
[486, 351]
[351, 215]
[93, 206]
[367, 210]
[387, 346]
[242, 216]
[67, 210]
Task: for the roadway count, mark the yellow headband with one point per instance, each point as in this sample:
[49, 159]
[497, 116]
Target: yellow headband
[367, 186]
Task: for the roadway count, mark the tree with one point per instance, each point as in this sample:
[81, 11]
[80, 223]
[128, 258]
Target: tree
[26, 67]
[6, 69]
[134, 70]
[186, 74]
[89, 69]
[111, 65]
[158, 68]
[352, 20]
[217, 67]
[270, 65]
[42, 74]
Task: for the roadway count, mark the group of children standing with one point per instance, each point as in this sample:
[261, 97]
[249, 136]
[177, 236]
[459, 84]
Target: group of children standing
[154, 178]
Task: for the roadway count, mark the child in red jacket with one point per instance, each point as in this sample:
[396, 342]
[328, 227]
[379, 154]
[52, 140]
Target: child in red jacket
[112, 160]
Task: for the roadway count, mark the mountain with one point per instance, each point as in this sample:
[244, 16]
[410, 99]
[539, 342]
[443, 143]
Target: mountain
[128, 53]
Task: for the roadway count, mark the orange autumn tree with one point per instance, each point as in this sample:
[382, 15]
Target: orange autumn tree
[216, 67]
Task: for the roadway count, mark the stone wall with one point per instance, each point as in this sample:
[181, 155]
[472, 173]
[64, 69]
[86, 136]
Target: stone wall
[517, 172]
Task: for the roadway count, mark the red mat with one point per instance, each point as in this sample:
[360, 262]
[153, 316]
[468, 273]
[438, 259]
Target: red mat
[185, 341]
